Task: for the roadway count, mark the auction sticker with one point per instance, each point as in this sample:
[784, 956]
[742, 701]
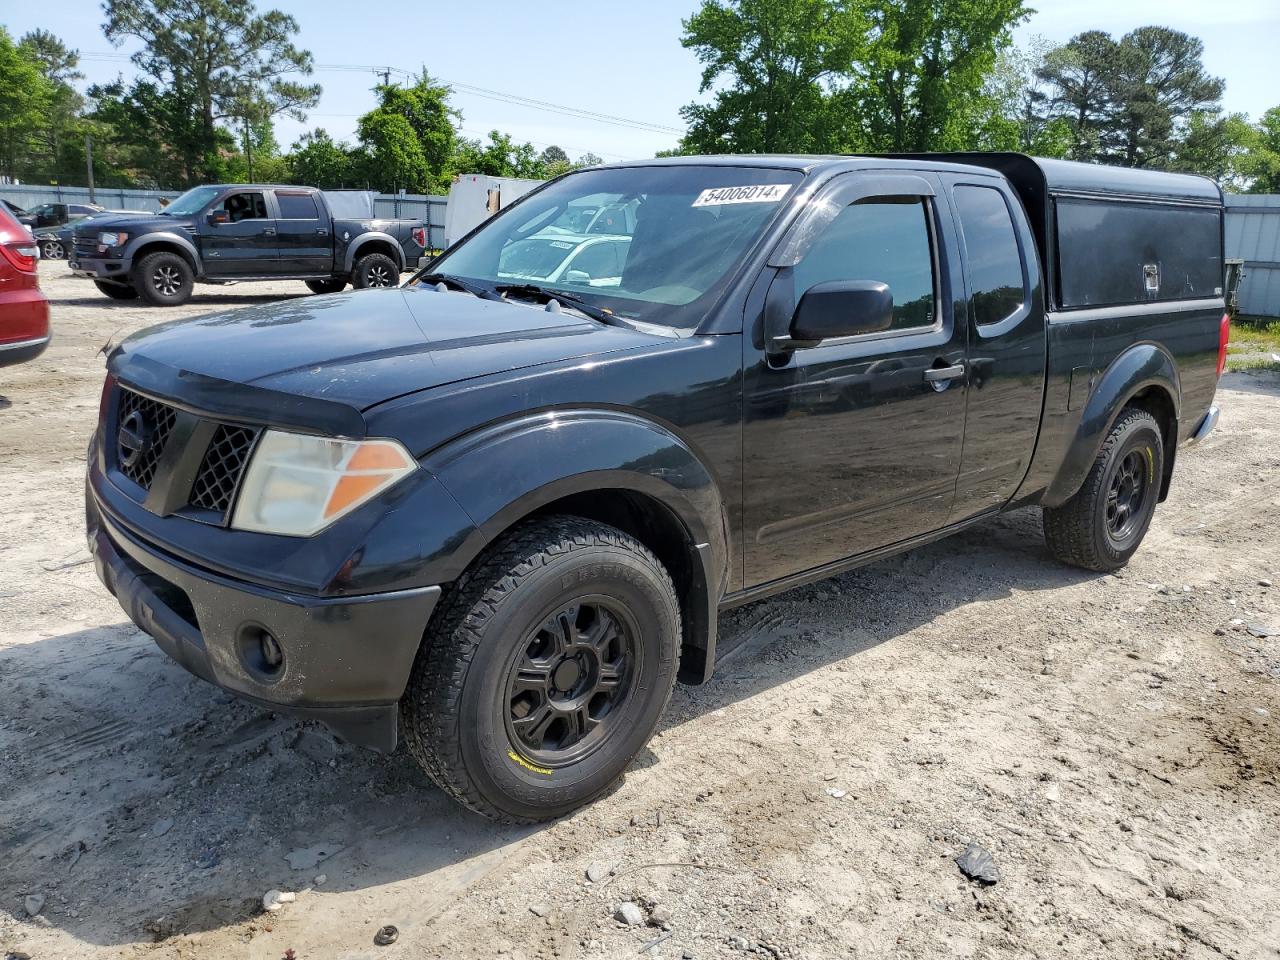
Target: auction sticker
[760, 193]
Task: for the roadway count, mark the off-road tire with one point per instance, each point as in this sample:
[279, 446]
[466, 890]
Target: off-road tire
[375, 270]
[52, 250]
[163, 279]
[326, 286]
[1078, 532]
[455, 712]
[116, 291]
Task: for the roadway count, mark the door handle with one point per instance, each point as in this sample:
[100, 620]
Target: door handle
[269, 232]
[322, 232]
[943, 374]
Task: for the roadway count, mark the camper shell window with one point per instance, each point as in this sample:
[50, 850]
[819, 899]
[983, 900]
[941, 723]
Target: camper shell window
[1112, 252]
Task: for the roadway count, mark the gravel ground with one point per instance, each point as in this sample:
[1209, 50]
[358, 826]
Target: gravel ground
[1112, 741]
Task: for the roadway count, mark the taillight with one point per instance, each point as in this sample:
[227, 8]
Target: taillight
[20, 253]
[1224, 334]
[420, 236]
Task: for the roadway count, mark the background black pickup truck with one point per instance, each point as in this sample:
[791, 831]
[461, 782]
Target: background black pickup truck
[227, 233]
[498, 518]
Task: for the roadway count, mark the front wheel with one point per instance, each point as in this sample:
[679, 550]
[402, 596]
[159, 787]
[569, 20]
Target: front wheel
[545, 672]
[164, 279]
[326, 286]
[375, 270]
[52, 250]
[116, 291]
[1102, 526]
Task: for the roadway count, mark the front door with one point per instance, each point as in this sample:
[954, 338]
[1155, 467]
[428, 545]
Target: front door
[302, 232]
[855, 443]
[244, 243]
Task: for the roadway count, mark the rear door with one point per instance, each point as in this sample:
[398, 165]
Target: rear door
[245, 245]
[848, 445]
[1006, 341]
[303, 234]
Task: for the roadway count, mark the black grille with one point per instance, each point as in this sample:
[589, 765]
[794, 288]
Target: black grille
[221, 468]
[157, 420]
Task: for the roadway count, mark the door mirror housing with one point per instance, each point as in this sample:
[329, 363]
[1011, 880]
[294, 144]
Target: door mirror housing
[216, 218]
[841, 308]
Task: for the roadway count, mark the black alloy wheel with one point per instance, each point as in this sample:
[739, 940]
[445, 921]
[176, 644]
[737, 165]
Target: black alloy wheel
[569, 679]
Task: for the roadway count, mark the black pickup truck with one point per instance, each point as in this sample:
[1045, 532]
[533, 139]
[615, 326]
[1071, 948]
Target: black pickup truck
[499, 518]
[232, 232]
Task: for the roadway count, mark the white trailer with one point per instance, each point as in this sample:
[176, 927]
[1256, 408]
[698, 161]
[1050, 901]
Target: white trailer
[474, 197]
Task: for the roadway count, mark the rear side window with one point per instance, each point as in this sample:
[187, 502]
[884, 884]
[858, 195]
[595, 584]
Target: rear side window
[1112, 253]
[297, 206]
[991, 253]
[880, 239]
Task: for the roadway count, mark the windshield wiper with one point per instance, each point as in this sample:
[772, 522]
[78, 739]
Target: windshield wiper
[533, 291]
[458, 284]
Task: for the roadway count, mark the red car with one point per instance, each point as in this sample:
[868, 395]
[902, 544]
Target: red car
[24, 311]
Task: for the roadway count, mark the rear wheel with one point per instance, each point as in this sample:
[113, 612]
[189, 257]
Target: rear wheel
[546, 670]
[1101, 527]
[375, 270]
[164, 279]
[116, 291]
[326, 286]
[52, 250]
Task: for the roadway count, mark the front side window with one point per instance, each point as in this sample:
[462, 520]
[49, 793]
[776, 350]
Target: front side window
[886, 239]
[245, 206]
[991, 253]
[689, 228]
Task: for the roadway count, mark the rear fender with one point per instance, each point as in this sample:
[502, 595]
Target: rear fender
[378, 238]
[506, 472]
[1141, 367]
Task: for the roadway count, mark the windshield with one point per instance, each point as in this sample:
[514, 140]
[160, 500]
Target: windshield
[657, 244]
[191, 202]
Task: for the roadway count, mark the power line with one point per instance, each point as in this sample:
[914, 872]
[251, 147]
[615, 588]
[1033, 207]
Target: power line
[468, 89]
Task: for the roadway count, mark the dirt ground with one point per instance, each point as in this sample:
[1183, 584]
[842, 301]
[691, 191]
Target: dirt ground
[1113, 741]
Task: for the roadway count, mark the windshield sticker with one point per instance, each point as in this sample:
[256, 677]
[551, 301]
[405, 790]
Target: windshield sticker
[561, 245]
[761, 193]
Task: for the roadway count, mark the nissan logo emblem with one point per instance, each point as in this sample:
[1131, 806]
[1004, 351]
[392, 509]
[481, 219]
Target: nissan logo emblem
[133, 439]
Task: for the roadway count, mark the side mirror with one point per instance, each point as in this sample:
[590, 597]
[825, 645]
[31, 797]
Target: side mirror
[577, 276]
[217, 218]
[841, 308]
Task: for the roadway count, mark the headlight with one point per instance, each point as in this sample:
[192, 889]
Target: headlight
[297, 485]
[112, 239]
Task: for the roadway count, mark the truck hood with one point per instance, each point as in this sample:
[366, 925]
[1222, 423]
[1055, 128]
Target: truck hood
[131, 223]
[359, 349]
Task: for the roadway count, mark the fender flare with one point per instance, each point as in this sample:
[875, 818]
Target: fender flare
[505, 472]
[141, 242]
[1140, 367]
[365, 238]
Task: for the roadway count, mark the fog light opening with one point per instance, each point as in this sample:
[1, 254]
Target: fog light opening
[260, 652]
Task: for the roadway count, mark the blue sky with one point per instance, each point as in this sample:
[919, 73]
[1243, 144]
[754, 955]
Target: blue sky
[623, 59]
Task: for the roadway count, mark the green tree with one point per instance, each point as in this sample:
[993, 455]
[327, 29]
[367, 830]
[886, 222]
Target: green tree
[409, 140]
[316, 160]
[1159, 83]
[219, 62]
[25, 98]
[923, 69]
[1260, 165]
[56, 148]
[1079, 75]
[840, 75]
[772, 65]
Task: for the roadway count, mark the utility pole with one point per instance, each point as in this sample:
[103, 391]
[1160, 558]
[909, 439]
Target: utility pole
[248, 146]
[88, 159]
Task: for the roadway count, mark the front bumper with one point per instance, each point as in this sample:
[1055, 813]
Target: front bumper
[100, 268]
[346, 660]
